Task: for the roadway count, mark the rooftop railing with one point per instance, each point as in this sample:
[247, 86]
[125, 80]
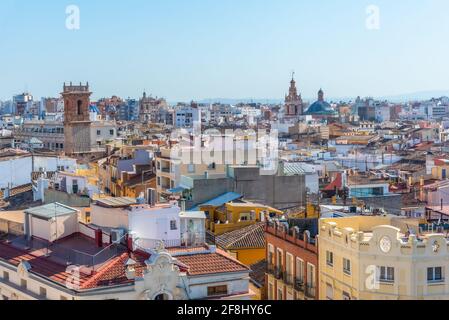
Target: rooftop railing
[187, 240]
[67, 256]
[293, 235]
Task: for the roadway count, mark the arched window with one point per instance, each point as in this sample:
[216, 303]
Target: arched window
[79, 107]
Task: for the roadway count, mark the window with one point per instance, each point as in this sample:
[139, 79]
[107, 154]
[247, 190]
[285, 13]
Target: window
[346, 296]
[289, 267]
[311, 278]
[217, 291]
[98, 132]
[279, 259]
[111, 132]
[299, 270]
[80, 107]
[23, 283]
[5, 276]
[386, 274]
[270, 254]
[329, 292]
[435, 274]
[347, 266]
[191, 168]
[280, 294]
[173, 225]
[330, 258]
[43, 292]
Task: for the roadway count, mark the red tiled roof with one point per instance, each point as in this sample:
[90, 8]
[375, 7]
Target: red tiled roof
[113, 272]
[441, 162]
[180, 250]
[209, 263]
[338, 182]
[39, 265]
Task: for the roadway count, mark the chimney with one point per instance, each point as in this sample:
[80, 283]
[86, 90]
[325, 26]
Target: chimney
[130, 269]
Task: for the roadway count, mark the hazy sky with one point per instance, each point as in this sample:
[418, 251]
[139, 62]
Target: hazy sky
[195, 49]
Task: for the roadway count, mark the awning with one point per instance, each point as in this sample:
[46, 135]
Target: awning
[179, 189]
[219, 201]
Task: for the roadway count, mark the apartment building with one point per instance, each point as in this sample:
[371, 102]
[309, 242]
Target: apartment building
[170, 168]
[51, 133]
[381, 258]
[235, 214]
[292, 259]
[129, 173]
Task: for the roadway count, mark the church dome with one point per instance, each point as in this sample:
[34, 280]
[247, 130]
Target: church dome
[320, 107]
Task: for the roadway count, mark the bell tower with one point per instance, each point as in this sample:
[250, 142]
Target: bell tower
[293, 101]
[76, 119]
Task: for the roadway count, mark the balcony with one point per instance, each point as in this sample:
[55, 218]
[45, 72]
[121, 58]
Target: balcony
[299, 285]
[278, 273]
[288, 279]
[310, 292]
[270, 268]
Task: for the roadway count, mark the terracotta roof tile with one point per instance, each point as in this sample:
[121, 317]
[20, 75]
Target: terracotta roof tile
[257, 273]
[252, 236]
[39, 265]
[209, 263]
[113, 272]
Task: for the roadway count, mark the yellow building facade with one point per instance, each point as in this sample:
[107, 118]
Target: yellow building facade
[381, 258]
[233, 216]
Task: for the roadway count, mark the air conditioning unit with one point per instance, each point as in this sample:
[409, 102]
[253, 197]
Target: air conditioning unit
[117, 235]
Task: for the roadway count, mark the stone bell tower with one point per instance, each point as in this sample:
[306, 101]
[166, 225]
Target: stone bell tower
[293, 101]
[76, 119]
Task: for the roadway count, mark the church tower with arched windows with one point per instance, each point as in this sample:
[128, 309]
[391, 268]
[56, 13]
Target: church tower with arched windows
[293, 101]
[76, 119]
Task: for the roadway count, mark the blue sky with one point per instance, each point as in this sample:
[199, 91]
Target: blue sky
[195, 49]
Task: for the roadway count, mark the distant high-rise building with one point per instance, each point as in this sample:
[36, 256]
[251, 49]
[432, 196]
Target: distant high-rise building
[128, 110]
[22, 103]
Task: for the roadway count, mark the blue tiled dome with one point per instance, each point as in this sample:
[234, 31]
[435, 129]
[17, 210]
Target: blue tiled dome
[320, 107]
